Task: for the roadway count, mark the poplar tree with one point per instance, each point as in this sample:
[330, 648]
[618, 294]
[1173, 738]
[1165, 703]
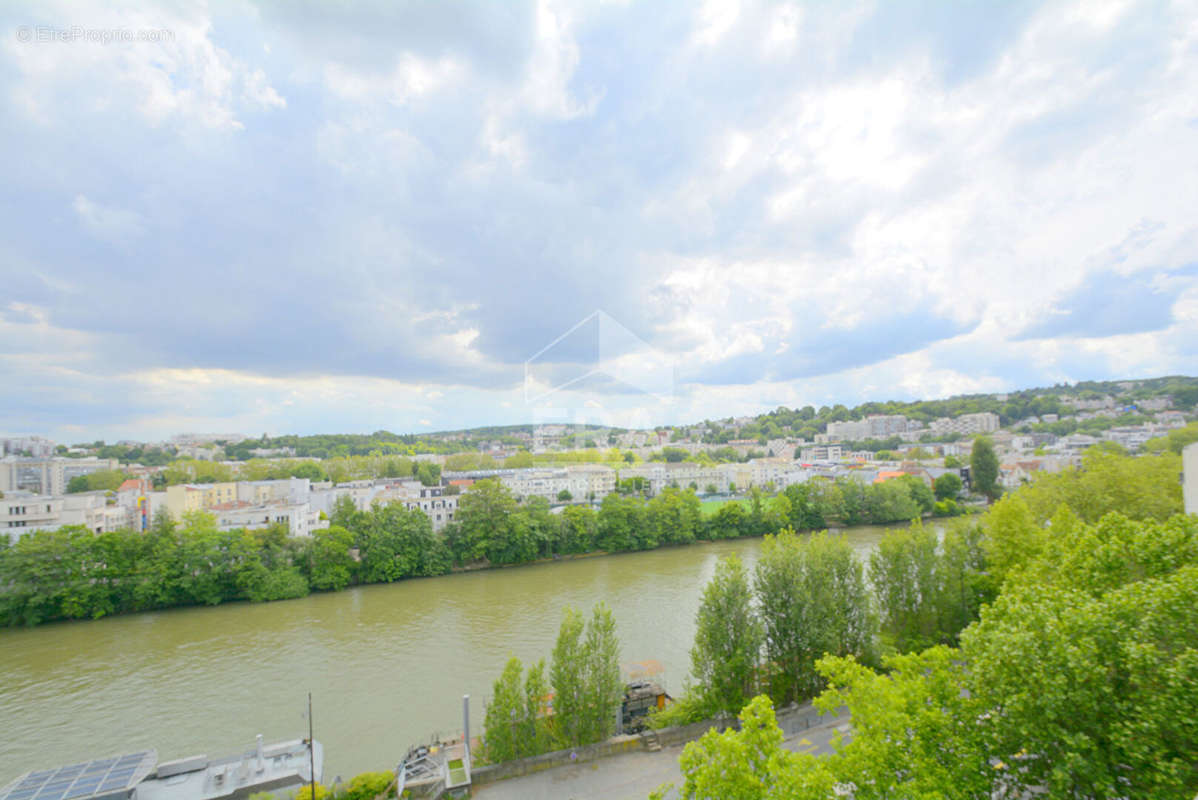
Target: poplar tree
[727, 648]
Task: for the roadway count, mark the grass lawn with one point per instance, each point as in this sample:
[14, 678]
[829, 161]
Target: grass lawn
[709, 507]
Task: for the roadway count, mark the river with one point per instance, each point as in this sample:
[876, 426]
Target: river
[387, 665]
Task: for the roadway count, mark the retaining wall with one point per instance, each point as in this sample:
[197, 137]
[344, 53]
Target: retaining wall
[791, 720]
[524, 766]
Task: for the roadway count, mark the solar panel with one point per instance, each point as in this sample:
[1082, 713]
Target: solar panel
[101, 776]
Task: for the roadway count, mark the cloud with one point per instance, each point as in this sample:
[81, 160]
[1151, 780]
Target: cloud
[787, 200]
[112, 225]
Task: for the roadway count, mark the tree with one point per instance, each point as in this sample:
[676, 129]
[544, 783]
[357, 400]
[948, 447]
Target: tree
[332, 565]
[952, 462]
[746, 764]
[585, 673]
[104, 479]
[1114, 709]
[484, 523]
[728, 640]
[309, 470]
[813, 601]
[428, 473]
[983, 467]
[1143, 487]
[565, 496]
[947, 486]
[514, 725]
[905, 572]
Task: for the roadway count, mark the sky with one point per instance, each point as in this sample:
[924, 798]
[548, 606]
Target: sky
[296, 216]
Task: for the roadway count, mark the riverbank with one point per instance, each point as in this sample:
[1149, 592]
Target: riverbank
[386, 663]
[74, 574]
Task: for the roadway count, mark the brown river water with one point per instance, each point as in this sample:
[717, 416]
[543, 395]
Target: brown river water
[387, 665]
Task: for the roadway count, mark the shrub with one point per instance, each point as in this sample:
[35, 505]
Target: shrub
[305, 792]
[367, 786]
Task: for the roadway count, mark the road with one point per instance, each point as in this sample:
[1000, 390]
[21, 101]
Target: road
[632, 775]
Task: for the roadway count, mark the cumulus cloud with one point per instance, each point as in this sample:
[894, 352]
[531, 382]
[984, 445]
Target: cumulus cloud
[792, 202]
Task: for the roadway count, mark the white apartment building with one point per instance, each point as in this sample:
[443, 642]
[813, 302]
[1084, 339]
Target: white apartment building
[875, 426]
[300, 518]
[24, 512]
[440, 509]
[1106, 401]
[30, 446]
[966, 424]
[47, 475]
[830, 452]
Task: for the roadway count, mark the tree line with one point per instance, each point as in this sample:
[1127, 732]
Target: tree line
[1051, 648]
[811, 596]
[72, 573]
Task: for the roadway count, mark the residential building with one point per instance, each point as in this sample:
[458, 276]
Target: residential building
[140, 501]
[300, 518]
[831, 452]
[186, 497]
[28, 446]
[1154, 403]
[966, 424]
[1171, 419]
[855, 430]
[1105, 401]
[47, 475]
[25, 512]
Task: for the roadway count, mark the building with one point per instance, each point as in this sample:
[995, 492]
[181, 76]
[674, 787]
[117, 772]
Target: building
[831, 452]
[1189, 477]
[28, 446]
[47, 475]
[856, 430]
[141, 502]
[25, 512]
[1105, 401]
[966, 424]
[439, 508]
[875, 426]
[300, 518]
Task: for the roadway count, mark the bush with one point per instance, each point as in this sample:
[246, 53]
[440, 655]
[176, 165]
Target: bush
[686, 709]
[946, 508]
[367, 786]
[305, 792]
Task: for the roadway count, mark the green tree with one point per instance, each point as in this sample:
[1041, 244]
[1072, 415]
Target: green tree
[309, 470]
[1143, 487]
[396, 543]
[748, 764]
[332, 565]
[728, 640]
[905, 572]
[813, 600]
[483, 522]
[983, 467]
[565, 496]
[585, 674]
[947, 486]
[514, 726]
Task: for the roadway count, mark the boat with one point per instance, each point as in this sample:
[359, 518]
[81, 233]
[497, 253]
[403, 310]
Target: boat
[275, 768]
